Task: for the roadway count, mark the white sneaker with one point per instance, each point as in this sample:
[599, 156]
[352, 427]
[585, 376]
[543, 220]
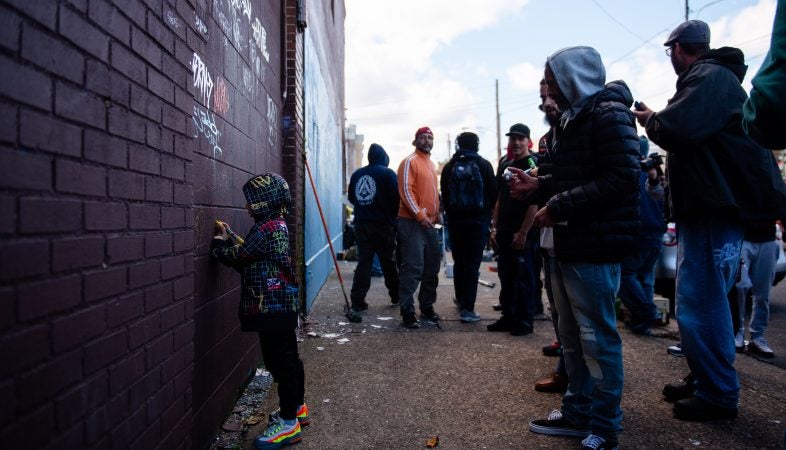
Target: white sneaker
[759, 347]
[739, 341]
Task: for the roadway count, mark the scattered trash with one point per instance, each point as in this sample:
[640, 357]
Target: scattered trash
[343, 341]
[384, 318]
[327, 400]
[432, 442]
[239, 409]
[376, 326]
[233, 426]
[331, 335]
[343, 323]
[300, 340]
[497, 345]
[313, 334]
[262, 373]
[253, 420]
[320, 348]
[694, 442]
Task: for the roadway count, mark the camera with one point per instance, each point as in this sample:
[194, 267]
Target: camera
[653, 161]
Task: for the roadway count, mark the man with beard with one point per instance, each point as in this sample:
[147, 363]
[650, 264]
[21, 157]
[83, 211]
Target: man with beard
[418, 212]
[719, 179]
[516, 242]
[593, 191]
[558, 380]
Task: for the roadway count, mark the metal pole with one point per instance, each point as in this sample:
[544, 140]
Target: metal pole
[687, 10]
[499, 138]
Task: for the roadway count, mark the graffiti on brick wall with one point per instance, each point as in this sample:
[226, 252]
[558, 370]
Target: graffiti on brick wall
[260, 38]
[200, 26]
[272, 122]
[200, 18]
[203, 82]
[205, 124]
[171, 19]
[242, 28]
[220, 100]
[249, 82]
[242, 6]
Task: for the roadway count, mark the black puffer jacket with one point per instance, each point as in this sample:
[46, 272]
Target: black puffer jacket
[715, 169]
[593, 180]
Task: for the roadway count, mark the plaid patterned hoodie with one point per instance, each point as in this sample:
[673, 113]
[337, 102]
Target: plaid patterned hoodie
[269, 291]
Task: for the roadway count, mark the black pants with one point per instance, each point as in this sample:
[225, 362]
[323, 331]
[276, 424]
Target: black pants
[517, 279]
[279, 352]
[371, 238]
[468, 238]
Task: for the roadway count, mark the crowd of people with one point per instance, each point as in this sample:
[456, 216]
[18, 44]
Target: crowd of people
[587, 207]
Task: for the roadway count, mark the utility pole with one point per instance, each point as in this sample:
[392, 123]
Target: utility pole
[687, 10]
[499, 138]
[449, 146]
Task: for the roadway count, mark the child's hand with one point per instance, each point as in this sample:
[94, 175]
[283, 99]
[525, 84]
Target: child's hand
[221, 231]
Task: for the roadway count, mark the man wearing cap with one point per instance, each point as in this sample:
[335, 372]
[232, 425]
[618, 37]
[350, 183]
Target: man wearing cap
[468, 192]
[719, 179]
[517, 241]
[418, 240]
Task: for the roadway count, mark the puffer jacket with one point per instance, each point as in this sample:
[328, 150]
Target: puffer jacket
[715, 169]
[268, 283]
[593, 177]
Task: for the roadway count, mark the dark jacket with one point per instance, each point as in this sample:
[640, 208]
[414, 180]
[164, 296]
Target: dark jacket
[653, 223]
[592, 179]
[489, 187]
[373, 189]
[714, 168]
[268, 282]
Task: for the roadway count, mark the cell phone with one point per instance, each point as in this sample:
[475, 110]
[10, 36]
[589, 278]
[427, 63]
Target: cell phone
[638, 106]
[529, 171]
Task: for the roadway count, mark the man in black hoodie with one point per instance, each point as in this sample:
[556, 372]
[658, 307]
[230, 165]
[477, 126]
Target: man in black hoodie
[373, 191]
[592, 189]
[718, 179]
[468, 192]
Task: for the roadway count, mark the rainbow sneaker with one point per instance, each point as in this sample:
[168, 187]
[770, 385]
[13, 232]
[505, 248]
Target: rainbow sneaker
[302, 415]
[277, 435]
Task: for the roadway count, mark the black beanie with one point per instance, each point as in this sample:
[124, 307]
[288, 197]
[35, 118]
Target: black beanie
[468, 141]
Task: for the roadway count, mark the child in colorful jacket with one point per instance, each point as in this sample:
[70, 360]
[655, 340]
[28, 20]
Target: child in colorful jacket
[269, 300]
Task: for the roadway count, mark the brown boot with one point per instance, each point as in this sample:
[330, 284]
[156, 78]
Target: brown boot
[553, 383]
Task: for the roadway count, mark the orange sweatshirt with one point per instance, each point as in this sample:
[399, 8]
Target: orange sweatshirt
[417, 187]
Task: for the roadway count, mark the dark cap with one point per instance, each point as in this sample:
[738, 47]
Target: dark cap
[690, 32]
[468, 141]
[518, 129]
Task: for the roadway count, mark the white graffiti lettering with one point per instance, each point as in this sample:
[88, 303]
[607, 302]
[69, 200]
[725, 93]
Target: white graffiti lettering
[243, 6]
[260, 38]
[256, 62]
[272, 122]
[202, 79]
[199, 25]
[248, 82]
[171, 19]
[205, 123]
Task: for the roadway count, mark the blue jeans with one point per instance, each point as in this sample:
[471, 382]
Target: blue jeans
[585, 295]
[637, 285]
[708, 255]
[760, 258]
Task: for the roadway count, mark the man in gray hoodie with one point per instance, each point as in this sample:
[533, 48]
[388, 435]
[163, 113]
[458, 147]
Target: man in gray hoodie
[592, 189]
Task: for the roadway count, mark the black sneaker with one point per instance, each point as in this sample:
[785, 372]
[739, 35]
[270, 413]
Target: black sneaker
[675, 350]
[394, 301]
[595, 442]
[429, 316]
[360, 306]
[520, 330]
[500, 325]
[694, 409]
[673, 392]
[496, 307]
[410, 321]
[556, 425]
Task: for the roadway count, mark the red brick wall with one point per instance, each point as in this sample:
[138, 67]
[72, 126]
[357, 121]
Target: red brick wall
[116, 329]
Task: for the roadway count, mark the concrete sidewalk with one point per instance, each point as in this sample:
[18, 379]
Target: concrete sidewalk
[387, 387]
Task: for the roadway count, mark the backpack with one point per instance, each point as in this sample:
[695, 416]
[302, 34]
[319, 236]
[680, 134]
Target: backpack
[466, 186]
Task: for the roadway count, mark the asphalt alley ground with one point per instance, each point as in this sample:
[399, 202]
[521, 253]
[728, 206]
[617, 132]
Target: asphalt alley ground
[375, 385]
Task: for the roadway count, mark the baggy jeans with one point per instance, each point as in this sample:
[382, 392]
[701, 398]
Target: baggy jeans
[708, 256]
[420, 262]
[585, 295]
[760, 258]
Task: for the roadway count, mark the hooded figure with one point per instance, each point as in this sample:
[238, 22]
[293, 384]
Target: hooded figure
[373, 189]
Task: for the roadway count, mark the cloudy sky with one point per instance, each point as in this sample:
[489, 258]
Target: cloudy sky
[411, 63]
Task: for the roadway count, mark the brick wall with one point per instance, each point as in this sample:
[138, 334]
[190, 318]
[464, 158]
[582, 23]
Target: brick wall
[127, 127]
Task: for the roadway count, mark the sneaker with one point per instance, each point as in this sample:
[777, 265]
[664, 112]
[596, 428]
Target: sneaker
[429, 316]
[675, 350]
[759, 347]
[501, 325]
[394, 301]
[541, 316]
[409, 321]
[278, 434]
[553, 349]
[694, 409]
[302, 416]
[595, 442]
[555, 382]
[468, 316]
[360, 306]
[673, 392]
[640, 328]
[520, 330]
[739, 342]
[496, 307]
[556, 425]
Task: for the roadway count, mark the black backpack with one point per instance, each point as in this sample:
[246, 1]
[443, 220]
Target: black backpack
[466, 186]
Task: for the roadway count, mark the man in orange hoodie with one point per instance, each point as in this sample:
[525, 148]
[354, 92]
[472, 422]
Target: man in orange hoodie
[418, 238]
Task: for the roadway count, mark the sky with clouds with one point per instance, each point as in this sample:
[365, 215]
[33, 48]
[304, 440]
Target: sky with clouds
[411, 63]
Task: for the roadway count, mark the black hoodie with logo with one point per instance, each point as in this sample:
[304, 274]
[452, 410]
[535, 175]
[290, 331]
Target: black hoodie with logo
[715, 169]
[373, 189]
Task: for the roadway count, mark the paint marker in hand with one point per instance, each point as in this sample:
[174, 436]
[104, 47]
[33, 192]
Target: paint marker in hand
[231, 233]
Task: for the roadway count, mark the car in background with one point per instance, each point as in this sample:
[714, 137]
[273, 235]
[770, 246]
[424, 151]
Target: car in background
[666, 267]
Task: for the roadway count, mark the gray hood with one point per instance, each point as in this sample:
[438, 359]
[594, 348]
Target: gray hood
[580, 74]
